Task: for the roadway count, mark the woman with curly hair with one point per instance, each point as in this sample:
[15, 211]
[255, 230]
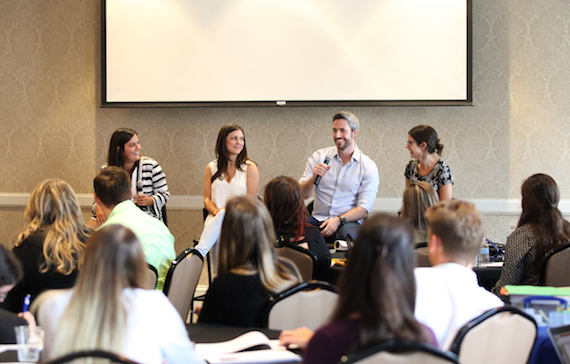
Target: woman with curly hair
[51, 243]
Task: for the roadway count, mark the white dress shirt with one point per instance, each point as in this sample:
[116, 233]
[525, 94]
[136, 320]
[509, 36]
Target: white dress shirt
[343, 187]
[448, 296]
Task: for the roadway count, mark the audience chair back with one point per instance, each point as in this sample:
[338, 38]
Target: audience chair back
[555, 270]
[512, 329]
[400, 351]
[182, 279]
[421, 255]
[309, 304]
[152, 277]
[305, 261]
[111, 357]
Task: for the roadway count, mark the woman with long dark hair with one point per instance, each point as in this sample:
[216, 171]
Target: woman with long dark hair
[541, 228]
[148, 181]
[284, 200]
[377, 293]
[108, 309]
[231, 174]
[249, 269]
[426, 165]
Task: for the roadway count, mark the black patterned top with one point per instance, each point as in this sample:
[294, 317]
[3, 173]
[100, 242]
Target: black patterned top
[520, 257]
[439, 176]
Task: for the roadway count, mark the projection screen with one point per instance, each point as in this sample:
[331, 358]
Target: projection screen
[286, 52]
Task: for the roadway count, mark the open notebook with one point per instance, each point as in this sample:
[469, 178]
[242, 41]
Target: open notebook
[251, 347]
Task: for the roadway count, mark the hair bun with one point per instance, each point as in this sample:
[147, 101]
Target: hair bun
[439, 147]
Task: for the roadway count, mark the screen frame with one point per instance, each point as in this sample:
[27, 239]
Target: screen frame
[295, 103]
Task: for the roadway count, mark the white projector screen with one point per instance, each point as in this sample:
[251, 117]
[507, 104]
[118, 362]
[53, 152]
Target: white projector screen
[285, 52]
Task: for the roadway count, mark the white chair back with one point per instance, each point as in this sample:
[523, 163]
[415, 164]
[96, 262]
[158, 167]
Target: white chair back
[515, 329]
[182, 279]
[311, 308]
[399, 352]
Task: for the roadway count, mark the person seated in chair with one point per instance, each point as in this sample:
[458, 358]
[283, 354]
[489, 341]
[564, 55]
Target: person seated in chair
[376, 296]
[113, 194]
[345, 182]
[249, 269]
[284, 200]
[10, 274]
[418, 196]
[109, 309]
[448, 294]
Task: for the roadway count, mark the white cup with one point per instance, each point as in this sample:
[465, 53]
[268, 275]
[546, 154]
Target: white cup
[31, 341]
[341, 245]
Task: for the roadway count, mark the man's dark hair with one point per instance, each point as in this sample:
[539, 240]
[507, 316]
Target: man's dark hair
[10, 267]
[112, 185]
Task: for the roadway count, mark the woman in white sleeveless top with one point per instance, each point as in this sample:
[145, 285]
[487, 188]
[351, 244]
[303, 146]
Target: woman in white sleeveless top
[231, 174]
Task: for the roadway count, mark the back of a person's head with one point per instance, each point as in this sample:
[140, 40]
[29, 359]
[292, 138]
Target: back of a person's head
[113, 260]
[418, 196]
[118, 250]
[112, 186]
[53, 200]
[540, 198]
[247, 240]
[54, 209]
[458, 224]
[10, 268]
[286, 204]
[378, 283]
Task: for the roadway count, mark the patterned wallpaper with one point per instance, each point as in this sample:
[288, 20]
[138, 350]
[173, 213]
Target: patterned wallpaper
[52, 125]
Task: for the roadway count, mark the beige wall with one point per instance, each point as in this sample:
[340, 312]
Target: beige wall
[52, 126]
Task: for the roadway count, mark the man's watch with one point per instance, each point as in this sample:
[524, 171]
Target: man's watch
[342, 219]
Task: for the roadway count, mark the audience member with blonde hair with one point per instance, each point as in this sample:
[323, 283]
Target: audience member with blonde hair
[249, 270]
[51, 243]
[448, 294]
[109, 310]
[418, 196]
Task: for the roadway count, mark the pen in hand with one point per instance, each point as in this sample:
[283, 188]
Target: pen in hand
[26, 303]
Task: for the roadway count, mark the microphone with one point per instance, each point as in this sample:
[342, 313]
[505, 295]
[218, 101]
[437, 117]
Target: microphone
[139, 187]
[327, 160]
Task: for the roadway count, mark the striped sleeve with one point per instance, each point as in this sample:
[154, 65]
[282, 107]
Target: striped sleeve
[154, 184]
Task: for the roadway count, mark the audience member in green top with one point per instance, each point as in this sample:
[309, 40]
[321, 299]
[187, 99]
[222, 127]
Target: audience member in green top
[113, 194]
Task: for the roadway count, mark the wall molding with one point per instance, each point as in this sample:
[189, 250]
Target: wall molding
[386, 205]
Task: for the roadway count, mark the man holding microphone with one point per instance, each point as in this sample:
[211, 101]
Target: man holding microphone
[345, 182]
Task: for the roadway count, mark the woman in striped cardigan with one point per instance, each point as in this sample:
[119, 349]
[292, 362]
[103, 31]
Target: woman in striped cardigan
[148, 182]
